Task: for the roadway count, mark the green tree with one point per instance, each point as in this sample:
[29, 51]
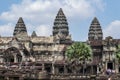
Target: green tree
[78, 53]
[118, 53]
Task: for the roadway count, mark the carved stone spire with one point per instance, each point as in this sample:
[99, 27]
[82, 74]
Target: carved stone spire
[20, 27]
[60, 24]
[34, 34]
[95, 31]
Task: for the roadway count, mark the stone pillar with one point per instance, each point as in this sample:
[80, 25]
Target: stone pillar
[53, 68]
[97, 69]
[15, 58]
[106, 63]
[92, 69]
[116, 67]
[43, 67]
[65, 70]
[104, 67]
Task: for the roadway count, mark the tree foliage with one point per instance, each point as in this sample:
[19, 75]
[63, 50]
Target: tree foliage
[79, 51]
[118, 53]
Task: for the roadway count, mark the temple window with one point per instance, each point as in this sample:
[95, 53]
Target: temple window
[11, 60]
[61, 69]
[69, 70]
[48, 67]
[19, 59]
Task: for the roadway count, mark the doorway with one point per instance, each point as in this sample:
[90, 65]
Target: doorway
[11, 60]
[110, 65]
[48, 67]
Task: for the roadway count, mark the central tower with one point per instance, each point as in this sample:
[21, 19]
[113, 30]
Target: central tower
[60, 29]
[60, 24]
[95, 37]
[95, 31]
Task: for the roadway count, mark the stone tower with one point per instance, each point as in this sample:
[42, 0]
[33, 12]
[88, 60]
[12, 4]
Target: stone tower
[95, 37]
[20, 28]
[34, 34]
[60, 24]
[95, 31]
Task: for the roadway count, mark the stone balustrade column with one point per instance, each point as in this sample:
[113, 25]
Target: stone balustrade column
[15, 58]
[43, 67]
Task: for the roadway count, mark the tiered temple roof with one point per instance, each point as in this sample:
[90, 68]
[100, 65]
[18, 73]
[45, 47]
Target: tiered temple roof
[34, 34]
[20, 27]
[95, 31]
[60, 24]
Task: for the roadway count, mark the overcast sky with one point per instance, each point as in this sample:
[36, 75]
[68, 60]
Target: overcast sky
[39, 16]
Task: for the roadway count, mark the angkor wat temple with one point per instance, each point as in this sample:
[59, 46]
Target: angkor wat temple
[25, 57]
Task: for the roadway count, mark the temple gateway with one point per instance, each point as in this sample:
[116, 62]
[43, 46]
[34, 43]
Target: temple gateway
[24, 57]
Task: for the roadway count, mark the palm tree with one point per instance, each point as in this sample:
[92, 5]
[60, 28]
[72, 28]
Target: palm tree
[79, 52]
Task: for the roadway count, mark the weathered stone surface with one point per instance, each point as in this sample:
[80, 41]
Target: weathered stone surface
[43, 57]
